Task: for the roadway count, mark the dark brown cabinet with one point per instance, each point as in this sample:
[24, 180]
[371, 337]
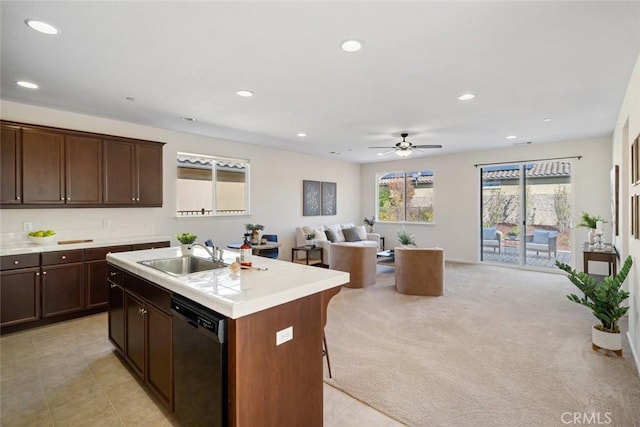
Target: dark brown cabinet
[96, 275]
[133, 173]
[19, 289]
[42, 167]
[148, 334]
[52, 167]
[62, 282]
[116, 308]
[10, 165]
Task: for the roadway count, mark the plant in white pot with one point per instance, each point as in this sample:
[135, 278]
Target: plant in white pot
[605, 301]
[590, 222]
[186, 239]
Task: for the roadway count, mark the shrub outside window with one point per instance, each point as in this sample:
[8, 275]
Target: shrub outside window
[405, 196]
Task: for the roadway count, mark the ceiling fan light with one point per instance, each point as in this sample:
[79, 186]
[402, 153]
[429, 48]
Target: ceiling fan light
[403, 153]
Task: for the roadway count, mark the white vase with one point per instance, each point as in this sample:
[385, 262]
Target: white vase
[186, 250]
[607, 340]
[592, 236]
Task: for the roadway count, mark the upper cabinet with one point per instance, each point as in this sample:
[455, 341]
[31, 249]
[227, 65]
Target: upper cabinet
[10, 165]
[63, 168]
[133, 173]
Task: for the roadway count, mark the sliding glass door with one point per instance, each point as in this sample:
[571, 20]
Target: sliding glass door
[526, 213]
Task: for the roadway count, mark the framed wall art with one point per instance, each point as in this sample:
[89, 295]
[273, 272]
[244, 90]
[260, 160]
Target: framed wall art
[635, 162]
[311, 198]
[615, 199]
[329, 198]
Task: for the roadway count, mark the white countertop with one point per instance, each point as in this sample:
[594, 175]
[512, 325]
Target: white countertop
[28, 248]
[234, 294]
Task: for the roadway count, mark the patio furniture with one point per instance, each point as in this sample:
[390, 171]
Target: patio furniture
[543, 241]
[419, 271]
[492, 238]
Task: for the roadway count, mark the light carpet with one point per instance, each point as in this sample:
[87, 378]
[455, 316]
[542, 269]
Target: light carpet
[502, 347]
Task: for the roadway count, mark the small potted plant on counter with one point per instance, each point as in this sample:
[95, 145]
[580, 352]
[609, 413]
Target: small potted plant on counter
[605, 301]
[185, 240]
[253, 229]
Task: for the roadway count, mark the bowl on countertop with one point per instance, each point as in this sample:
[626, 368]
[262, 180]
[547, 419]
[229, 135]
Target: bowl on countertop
[42, 240]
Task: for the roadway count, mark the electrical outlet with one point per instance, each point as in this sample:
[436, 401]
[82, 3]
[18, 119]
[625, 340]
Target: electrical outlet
[284, 335]
[27, 226]
[106, 223]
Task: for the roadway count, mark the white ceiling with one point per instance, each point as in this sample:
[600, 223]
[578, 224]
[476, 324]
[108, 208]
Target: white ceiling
[525, 61]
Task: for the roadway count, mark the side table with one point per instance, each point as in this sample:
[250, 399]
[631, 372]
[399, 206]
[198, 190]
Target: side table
[608, 255]
[308, 250]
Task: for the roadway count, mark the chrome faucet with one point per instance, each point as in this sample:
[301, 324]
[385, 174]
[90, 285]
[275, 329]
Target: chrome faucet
[216, 254]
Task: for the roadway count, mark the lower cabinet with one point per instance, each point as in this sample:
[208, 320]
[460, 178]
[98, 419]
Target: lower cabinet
[19, 296]
[142, 311]
[62, 282]
[96, 286]
[116, 307]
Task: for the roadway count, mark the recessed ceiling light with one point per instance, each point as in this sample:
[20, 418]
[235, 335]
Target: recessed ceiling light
[188, 119]
[42, 27]
[302, 134]
[511, 137]
[28, 85]
[244, 93]
[130, 98]
[351, 45]
[548, 119]
[466, 96]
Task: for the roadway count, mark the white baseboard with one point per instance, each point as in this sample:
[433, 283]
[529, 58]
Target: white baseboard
[634, 354]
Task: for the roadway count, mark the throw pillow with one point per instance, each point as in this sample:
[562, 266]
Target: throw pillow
[349, 225]
[541, 237]
[351, 235]
[337, 231]
[331, 236]
[362, 232]
[489, 233]
[320, 235]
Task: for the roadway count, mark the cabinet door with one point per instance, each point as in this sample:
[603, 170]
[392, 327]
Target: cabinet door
[149, 174]
[97, 293]
[10, 166]
[159, 352]
[42, 167]
[19, 296]
[134, 336]
[119, 176]
[83, 157]
[116, 316]
[62, 289]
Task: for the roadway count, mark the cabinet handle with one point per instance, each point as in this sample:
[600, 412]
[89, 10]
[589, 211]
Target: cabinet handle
[18, 198]
[137, 199]
[133, 199]
[62, 199]
[37, 274]
[139, 311]
[44, 273]
[113, 286]
[16, 262]
[144, 311]
[63, 257]
[68, 198]
[113, 273]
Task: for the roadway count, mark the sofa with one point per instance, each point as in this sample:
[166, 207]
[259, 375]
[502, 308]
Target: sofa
[326, 236]
[492, 238]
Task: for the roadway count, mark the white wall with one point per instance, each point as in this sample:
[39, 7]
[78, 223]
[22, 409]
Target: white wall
[276, 188]
[626, 131]
[457, 192]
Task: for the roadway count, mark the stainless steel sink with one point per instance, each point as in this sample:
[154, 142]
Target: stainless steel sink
[183, 265]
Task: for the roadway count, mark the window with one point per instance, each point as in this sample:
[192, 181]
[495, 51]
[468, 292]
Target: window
[209, 185]
[405, 196]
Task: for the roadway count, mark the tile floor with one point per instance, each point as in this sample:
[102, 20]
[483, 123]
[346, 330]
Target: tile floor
[66, 374]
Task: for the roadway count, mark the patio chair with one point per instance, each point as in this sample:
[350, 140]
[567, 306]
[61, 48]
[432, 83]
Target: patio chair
[492, 238]
[543, 241]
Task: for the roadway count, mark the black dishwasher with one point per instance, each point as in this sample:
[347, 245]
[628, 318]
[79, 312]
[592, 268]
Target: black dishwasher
[199, 364]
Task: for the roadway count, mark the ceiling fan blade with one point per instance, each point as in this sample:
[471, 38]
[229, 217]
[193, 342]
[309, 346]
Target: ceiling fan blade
[428, 146]
[381, 147]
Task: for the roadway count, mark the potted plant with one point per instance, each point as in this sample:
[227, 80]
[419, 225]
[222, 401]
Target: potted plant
[604, 299]
[309, 239]
[590, 222]
[254, 228]
[370, 222]
[405, 238]
[186, 239]
[513, 233]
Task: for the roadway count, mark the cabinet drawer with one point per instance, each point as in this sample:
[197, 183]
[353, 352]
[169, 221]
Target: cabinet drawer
[95, 254]
[62, 257]
[11, 262]
[115, 275]
[148, 291]
[152, 245]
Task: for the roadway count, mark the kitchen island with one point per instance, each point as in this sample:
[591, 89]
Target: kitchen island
[268, 383]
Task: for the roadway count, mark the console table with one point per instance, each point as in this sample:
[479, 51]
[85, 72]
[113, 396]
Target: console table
[608, 255]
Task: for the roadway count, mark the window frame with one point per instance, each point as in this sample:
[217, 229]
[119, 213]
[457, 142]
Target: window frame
[404, 175]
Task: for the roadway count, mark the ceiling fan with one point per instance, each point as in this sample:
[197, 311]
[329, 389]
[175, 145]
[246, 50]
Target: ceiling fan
[404, 147]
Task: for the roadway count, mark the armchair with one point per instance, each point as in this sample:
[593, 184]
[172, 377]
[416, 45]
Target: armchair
[492, 238]
[542, 241]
